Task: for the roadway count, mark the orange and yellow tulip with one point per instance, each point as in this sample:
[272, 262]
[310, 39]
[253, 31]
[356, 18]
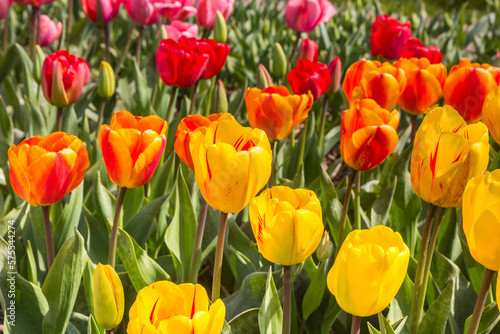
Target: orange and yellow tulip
[231, 163]
[367, 79]
[167, 308]
[424, 84]
[185, 130]
[276, 111]
[44, 169]
[367, 134]
[132, 147]
[287, 224]
[491, 113]
[446, 154]
[467, 86]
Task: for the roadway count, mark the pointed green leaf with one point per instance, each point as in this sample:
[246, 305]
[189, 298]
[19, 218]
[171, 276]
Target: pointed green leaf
[434, 320]
[314, 294]
[270, 313]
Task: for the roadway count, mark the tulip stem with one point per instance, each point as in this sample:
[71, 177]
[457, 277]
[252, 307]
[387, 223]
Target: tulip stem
[270, 183]
[114, 231]
[302, 148]
[193, 97]
[139, 45]
[418, 291]
[322, 126]
[106, 42]
[357, 202]
[49, 242]
[481, 299]
[69, 23]
[345, 208]
[35, 32]
[206, 33]
[195, 258]
[102, 106]
[219, 252]
[356, 325]
[413, 128]
[5, 42]
[59, 119]
[287, 299]
[173, 96]
[126, 48]
[297, 39]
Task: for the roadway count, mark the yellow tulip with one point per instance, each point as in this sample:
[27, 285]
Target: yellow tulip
[481, 218]
[287, 224]
[491, 113]
[231, 163]
[167, 308]
[368, 270]
[446, 154]
[109, 300]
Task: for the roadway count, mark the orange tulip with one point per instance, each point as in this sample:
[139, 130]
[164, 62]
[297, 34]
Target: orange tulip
[185, 130]
[132, 147]
[467, 86]
[367, 79]
[276, 111]
[367, 134]
[44, 169]
[424, 84]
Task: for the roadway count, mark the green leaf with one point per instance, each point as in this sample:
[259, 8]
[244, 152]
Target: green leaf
[401, 304]
[28, 70]
[8, 62]
[88, 284]
[382, 205]
[62, 283]
[246, 322]
[70, 217]
[30, 265]
[489, 319]
[103, 201]
[270, 313]
[299, 179]
[181, 231]
[93, 327]
[141, 269]
[434, 320]
[132, 203]
[314, 294]
[141, 90]
[385, 326]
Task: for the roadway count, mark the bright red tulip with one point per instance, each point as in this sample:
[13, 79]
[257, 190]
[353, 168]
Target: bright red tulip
[175, 9]
[180, 64]
[176, 29]
[34, 3]
[4, 8]
[141, 11]
[217, 53]
[63, 78]
[309, 50]
[415, 49]
[388, 37]
[206, 10]
[308, 76]
[49, 30]
[305, 15]
[109, 10]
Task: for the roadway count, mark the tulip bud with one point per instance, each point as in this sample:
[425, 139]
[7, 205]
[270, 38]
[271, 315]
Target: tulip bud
[279, 64]
[219, 99]
[107, 84]
[323, 251]
[264, 79]
[220, 28]
[335, 68]
[37, 65]
[308, 49]
[109, 300]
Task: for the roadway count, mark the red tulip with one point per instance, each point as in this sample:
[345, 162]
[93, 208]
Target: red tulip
[308, 49]
[335, 69]
[175, 9]
[308, 76]
[305, 15]
[176, 29]
[388, 37]
[107, 13]
[217, 53]
[63, 78]
[415, 49]
[4, 8]
[49, 30]
[141, 11]
[34, 3]
[206, 10]
[180, 64]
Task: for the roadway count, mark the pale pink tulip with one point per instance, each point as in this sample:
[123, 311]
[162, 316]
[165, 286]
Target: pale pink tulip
[175, 9]
[176, 29]
[305, 15]
[142, 12]
[207, 10]
[49, 30]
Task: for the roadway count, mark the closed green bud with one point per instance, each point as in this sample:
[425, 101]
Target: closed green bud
[323, 251]
[264, 79]
[109, 298]
[220, 28]
[219, 99]
[107, 82]
[279, 64]
[37, 66]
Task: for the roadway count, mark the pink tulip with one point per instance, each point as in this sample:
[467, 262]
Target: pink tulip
[305, 15]
[309, 50]
[49, 30]
[208, 8]
[141, 11]
[176, 29]
[34, 3]
[4, 8]
[110, 9]
[335, 69]
[175, 9]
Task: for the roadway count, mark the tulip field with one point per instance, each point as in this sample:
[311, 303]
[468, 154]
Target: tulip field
[249, 166]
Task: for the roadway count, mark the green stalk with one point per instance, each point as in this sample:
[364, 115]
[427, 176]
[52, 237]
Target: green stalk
[139, 45]
[345, 208]
[106, 42]
[413, 128]
[114, 231]
[356, 324]
[481, 299]
[297, 39]
[195, 258]
[219, 252]
[173, 96]
[5, 42]
[270, 183]
[69, 23]
[35, 30]
[193, 97]
[416, 310]
[102, 106]
[322, 125]
[357, 202]
[287, 299]
[49, 241]
[126, 48]
[59, 119]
